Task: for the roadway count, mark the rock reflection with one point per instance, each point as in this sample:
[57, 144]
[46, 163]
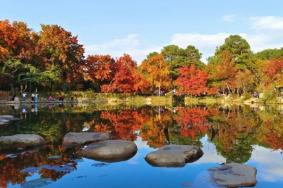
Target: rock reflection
[234, 131]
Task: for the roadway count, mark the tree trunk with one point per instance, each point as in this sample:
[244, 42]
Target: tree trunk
[159, 88]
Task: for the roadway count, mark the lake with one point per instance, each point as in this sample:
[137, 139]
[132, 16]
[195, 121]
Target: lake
[253, 136]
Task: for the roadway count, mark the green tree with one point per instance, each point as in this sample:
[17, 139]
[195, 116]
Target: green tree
[269, 54]
[232, 68]
[178, 57]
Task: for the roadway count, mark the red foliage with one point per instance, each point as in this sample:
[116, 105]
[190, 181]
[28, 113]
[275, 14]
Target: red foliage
[60, 48]
[99, 67]
[122, 124]
[193, 121]
[17, 41]
[274, 70]
[126, 79]
[8, 36]
[192, 81]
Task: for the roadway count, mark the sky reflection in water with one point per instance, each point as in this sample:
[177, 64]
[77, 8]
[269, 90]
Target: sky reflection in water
[245, 135]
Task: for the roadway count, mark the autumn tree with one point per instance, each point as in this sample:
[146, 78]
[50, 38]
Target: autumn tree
[61, 50]
[274, 72]
[126, 79]
[156, 72]
[232, 62]
[271, 77]
[192, 81]
[18, 58]
[99, 69]
[222, 72]
[177, 57]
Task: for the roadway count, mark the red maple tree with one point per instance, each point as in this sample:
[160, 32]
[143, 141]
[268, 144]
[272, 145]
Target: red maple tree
[126, 79]
[192, 81]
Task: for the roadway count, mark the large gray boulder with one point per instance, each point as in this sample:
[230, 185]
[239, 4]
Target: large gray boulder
[234, 175]
[5, 119]
[110, 150]
[174, 155]
[72, 139]
[20, 141]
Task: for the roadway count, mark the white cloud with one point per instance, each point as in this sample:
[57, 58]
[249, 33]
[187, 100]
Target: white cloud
[268, 170]
[267, 32]
[264, 32]
[130, 44]
[268, 23]
[206, 43]
[229, 18]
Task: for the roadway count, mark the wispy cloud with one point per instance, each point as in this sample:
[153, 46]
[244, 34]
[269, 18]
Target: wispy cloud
[206, 43]
[130, 44]
[268, 170]
[262, 32]
[268, 23]
[229, 18]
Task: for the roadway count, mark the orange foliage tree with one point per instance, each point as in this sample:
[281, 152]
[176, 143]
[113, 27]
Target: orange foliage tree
[126, 79]
[274, 72]
[156, 72]
[99, 69]
[61, 49]
[192, 81]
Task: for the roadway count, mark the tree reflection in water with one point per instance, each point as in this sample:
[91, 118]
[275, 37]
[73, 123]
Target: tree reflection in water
[233, 130]
[49, 161]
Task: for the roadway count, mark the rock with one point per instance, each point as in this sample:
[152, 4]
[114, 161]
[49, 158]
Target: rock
[20, 141]
[174, 155]
[5, 119]
[72, 139]
[110, 150]
[234, 175]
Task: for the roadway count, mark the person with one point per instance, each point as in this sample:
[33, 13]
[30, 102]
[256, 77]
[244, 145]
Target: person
[50, 98]
[32, 97]
[24, 96]
[36, 98]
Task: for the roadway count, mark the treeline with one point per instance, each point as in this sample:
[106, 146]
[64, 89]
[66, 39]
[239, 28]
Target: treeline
[53, 59]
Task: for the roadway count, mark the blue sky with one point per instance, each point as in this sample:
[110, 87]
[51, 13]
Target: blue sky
[138, 27]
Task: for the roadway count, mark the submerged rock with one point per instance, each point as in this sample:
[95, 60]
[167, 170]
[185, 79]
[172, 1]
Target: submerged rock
[72, 139]
[234, 175]
[5, 119]
[174, 155]
[20, 141]
[110, 150]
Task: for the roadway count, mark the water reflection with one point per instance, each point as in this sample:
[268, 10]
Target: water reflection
[235, 134]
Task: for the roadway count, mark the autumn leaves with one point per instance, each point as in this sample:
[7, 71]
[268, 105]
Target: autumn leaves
[53, 59]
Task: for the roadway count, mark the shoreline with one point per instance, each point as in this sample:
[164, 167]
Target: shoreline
[115, 99]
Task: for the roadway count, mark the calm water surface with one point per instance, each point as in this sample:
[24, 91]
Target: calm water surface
[252, 136]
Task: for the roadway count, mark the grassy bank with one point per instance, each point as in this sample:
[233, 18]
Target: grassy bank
[115, 99]
[231, 100]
